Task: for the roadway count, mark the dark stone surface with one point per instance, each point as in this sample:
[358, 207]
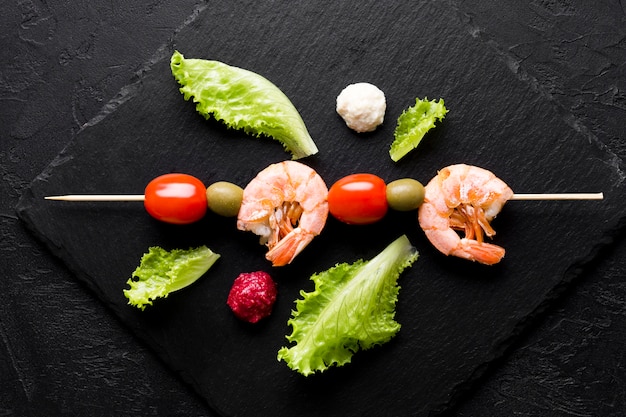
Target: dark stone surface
[61, 351]
[66, 354]
[571, 362]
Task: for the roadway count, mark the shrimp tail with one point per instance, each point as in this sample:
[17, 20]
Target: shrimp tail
[485, 253]
[289, 247]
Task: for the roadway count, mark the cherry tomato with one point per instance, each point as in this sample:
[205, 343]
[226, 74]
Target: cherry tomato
[176, 198]
[358, 199]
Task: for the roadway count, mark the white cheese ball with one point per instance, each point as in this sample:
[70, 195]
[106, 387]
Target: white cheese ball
[362, 106]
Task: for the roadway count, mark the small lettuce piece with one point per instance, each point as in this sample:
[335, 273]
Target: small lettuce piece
[413, 124]
[161, 272]
[242, 99]
[352, 307]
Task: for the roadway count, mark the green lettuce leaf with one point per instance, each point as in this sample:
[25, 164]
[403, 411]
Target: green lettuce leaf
[413, 124]
[352, 307]
[242, 99]
[161, 272]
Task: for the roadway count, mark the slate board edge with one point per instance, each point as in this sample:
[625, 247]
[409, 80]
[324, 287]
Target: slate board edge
[83, 278]
[513, 63]
[502, 348]
[130, 90]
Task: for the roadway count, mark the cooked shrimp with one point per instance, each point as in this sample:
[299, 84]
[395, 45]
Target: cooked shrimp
[466, 198]
[286, 204]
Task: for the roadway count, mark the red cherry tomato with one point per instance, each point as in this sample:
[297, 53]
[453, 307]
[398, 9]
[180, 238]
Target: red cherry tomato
[176, 198]
[358, 199]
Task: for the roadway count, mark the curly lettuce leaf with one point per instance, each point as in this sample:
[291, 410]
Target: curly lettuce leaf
[242, 99]
[351, 308]
[413, 124]
[161, 272]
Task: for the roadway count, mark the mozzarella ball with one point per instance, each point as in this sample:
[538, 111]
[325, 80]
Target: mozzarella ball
[362, 106]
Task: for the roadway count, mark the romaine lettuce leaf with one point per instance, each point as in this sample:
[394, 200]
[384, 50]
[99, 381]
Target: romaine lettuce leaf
[413, 124]
[161, 272]
[242, 99]
[351, 308]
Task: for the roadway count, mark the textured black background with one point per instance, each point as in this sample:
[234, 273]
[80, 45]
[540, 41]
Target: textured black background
[61, 350]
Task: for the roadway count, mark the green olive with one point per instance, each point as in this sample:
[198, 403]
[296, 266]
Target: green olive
[224, 198]
[405, 194]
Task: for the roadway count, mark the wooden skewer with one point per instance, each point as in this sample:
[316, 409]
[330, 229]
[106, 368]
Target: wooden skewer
[97, 197]
[137, 197]
[559, 196]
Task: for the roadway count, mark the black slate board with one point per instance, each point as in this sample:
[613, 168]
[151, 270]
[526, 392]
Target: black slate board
[456, 316]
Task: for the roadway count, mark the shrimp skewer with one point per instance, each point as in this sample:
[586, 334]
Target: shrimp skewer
[286, 205]
[464, 198]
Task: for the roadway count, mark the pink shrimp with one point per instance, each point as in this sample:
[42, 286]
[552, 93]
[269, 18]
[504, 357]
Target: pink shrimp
[286, 205]
[464, 197]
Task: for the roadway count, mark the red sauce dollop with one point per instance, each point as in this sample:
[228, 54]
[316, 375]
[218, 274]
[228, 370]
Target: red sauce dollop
[252, 296]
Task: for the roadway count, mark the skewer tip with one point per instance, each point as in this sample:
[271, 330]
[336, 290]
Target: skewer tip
[559, 196]
[96, 197]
